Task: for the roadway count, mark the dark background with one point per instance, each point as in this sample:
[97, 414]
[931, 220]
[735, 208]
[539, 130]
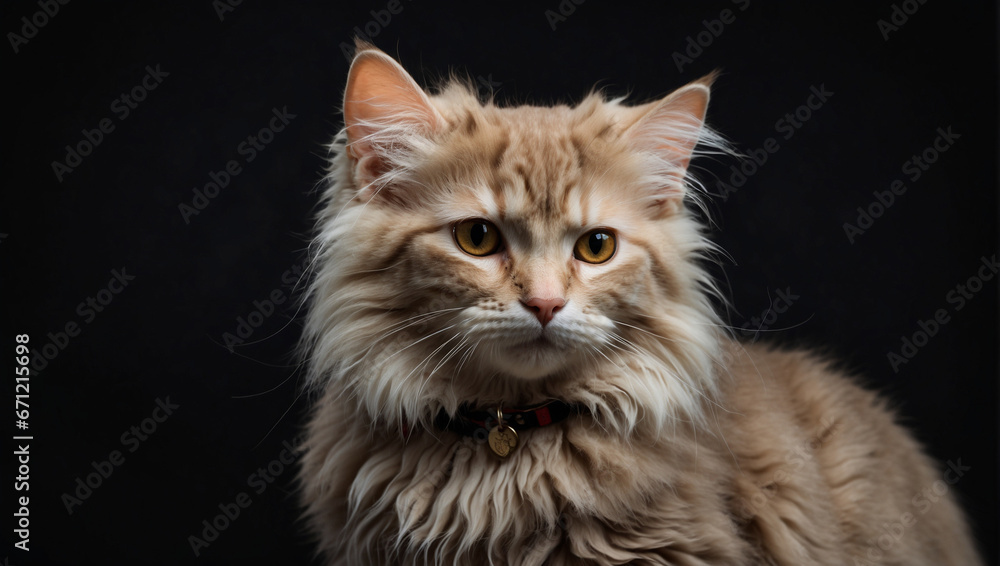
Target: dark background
[163, 335]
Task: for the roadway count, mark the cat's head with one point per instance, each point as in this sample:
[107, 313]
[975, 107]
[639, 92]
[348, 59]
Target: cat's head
[468, 252]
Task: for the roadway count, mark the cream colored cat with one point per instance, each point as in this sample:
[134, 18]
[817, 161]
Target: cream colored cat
[515, 359]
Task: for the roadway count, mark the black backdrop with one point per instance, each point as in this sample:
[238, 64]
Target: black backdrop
[171, 288]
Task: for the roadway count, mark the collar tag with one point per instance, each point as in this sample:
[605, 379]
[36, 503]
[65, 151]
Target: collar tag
[502, 438]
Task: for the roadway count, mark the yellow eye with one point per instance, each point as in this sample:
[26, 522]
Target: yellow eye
[596, 246]
[477, 237]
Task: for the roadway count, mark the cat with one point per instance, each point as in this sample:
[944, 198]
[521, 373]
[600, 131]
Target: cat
[514, 357]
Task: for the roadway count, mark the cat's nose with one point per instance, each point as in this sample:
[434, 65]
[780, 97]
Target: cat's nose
[544, 309]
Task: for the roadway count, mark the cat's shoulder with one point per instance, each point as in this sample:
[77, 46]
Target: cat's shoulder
[798, 385]
[746, 365]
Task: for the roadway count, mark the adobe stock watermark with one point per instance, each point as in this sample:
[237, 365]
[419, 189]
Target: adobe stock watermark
[262, 309]
[696, 44]
[121, 108]
[487, 84]
[30, 26]
[249, 149]
[229, 512]
[891, 533]
[22, 516]
[787, 125]
[913, 168]
[898, 17]
[958, 296]
[373, 27]
[565, 9]
[784, 299]
[225, 7]
[87, 310]
[132, 439]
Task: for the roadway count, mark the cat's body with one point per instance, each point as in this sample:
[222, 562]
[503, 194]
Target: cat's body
[807, 469]
[476, 256]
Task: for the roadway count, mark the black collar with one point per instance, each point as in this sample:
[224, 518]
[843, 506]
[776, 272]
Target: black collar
[477, 422]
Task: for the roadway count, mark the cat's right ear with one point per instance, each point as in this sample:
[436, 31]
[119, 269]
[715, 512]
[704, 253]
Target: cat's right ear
[385, 113]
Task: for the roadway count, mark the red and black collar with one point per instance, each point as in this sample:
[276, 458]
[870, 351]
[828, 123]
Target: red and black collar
[477, 421]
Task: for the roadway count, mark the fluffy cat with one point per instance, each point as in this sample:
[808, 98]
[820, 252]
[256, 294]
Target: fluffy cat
[489, 277]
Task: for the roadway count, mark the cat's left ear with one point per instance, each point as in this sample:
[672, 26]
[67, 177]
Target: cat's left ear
[670, 129]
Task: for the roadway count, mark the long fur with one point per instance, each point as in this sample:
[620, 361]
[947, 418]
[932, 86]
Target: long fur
[695, 449]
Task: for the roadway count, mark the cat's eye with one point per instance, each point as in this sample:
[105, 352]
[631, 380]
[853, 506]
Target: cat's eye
[596, 246]
[477, 237]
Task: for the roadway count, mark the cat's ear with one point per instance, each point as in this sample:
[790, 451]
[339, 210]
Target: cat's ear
[385, 113]
[670, 129]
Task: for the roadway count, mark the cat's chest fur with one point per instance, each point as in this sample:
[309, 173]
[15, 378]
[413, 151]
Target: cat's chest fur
[567, 494]
[573, 494]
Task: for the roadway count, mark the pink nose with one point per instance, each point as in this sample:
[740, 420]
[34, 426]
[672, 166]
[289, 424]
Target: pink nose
[544, 309]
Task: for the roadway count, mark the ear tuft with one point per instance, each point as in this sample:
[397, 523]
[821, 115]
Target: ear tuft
[362, 45]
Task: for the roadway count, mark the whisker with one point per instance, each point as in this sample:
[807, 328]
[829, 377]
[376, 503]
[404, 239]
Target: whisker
[277, 422]
[275, 388]
[419, 340]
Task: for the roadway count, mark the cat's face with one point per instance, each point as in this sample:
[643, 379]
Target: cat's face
[535, 233]
[506, 244]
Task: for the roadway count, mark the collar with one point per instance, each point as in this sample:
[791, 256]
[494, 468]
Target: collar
[477, 421]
